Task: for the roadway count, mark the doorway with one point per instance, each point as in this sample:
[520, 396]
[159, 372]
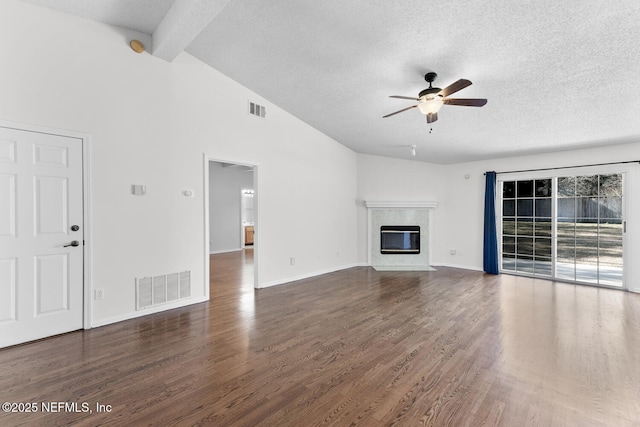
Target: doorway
[232, 226]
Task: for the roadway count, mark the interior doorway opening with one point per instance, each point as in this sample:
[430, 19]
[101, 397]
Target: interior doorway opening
[232, 241]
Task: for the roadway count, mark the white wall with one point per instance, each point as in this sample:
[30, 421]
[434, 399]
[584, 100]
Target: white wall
[225, 210]
[152, 123]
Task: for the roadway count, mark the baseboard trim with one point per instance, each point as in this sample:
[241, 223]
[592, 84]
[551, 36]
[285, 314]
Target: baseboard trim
[306, 276]
[225, 251]
[147, 311]
[464, 267]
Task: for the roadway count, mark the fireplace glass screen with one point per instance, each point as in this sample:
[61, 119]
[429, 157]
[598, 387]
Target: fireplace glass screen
[400, 239]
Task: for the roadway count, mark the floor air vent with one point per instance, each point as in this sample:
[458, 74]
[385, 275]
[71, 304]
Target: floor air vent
[152, 291]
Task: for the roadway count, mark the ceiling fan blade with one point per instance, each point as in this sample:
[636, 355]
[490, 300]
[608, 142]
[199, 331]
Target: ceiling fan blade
[454, 87]
[468, 102]
[432, 117]
[400, 111]
[405, 97]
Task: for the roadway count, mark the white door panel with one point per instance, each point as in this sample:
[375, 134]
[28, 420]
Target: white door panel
[8, 287]
[8, 208]
[41, 275]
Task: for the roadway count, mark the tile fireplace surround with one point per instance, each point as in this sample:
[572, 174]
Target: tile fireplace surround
[399, 213]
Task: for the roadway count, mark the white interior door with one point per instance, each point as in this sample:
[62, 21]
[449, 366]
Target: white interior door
[41, 235]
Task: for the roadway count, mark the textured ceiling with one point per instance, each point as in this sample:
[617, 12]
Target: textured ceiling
[557, 74]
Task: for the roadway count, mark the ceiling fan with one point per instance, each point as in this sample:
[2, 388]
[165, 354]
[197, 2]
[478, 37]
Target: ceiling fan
[431, 99]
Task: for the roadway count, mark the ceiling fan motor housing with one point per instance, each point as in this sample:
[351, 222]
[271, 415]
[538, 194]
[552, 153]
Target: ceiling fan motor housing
[430, 77]
[428, 91]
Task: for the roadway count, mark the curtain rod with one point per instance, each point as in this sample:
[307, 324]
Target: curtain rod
[569, 167]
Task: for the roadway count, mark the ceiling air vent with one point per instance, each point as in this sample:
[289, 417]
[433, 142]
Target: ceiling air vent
[257, 110]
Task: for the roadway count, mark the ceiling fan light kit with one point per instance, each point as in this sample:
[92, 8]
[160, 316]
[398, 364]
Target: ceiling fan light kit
[431, 99]
[430, 106]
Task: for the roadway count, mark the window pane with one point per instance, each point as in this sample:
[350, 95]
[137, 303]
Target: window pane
[610, 275]
[586, 251]
[610, 252]
[566, 270]
[525, 207]
[566, 230]
[566, 186]
[611, 185]
[543, 227]
[543, 248]
[509, 226]
[509, 208]
[509, 262]
[524, 264]
[587, 273]
[610, 231]
[509, 244]
[587, 231]
[543, 208]
[566, 249]
[525, 246]
[587, 185]
[610, 207]
[525, 188]
[509, 189]
[567, 208]
[543, 187]
[586, 207]
[542, 266]
[524, 227]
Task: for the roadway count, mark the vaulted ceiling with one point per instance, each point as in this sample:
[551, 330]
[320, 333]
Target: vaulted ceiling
[557, 74]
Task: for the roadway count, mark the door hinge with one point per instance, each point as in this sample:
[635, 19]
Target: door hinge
[624, 226]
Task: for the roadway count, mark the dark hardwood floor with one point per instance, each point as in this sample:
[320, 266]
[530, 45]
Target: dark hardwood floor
[355, 347]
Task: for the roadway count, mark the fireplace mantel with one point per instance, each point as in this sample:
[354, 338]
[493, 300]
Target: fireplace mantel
[400, 205]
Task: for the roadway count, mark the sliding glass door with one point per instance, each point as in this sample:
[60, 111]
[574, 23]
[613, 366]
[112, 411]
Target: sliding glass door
[564, 227]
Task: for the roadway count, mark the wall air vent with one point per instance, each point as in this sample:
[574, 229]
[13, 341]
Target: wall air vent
[257, 110]
[152, 291]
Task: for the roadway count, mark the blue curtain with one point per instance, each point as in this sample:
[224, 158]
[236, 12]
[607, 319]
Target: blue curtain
[490, 248]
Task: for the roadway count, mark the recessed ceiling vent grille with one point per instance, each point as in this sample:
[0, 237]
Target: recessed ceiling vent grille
[152, 291]
[257, 110]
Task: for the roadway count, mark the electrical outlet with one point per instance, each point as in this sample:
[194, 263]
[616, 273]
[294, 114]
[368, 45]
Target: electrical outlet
[452, 251]
[98, 294]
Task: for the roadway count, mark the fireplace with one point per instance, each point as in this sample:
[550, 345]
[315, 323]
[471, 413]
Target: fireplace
[400, 239]
[399, 235]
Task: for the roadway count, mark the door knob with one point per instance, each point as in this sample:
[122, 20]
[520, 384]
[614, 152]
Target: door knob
[74, 243]
[75, 228]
